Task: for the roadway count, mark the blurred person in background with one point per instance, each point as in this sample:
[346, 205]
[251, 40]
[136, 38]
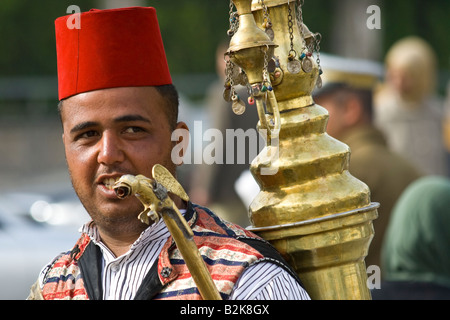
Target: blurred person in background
[415, 253]
[347, 95]
[407, 109]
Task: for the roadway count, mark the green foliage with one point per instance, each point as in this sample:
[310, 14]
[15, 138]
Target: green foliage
[28, 37]
[427, 19]
[192, 30]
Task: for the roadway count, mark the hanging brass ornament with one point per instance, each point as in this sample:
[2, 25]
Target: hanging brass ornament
[319, 82]
[227, 93]
[293, 66]
[238, 105]
[307, 65]
[270, 33]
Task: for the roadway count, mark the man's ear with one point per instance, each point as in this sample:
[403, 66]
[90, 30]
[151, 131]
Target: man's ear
[180, 142]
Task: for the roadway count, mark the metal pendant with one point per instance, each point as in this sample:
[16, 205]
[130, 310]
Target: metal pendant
[307, 65]
[227, 94]
[242, 79]
[235, 74]
[270, 33]
[294, 66]
[238, 106]
[319, 82]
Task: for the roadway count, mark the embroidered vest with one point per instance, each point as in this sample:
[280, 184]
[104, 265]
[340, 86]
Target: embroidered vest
[227, 250]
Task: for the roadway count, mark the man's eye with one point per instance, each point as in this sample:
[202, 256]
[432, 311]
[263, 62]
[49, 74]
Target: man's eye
[133, 130]
[87, 134]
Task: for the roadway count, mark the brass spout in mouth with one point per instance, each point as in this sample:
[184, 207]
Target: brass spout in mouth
[122, 191]
[124, 186]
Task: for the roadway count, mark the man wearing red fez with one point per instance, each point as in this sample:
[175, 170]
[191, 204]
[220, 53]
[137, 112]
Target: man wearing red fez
[118, 109]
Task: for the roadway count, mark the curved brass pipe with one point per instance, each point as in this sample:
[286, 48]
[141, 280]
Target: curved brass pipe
[153, 194]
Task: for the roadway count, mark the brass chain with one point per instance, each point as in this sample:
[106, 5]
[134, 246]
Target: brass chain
[234, 20]
[317, 38]
[229, 82]
[300, 21]
[292, 53]
[267, 22]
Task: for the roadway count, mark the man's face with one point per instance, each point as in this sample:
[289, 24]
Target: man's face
[108, 133]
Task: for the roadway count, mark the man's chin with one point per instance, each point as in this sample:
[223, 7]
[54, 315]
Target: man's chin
[119, 222]
[115, 210]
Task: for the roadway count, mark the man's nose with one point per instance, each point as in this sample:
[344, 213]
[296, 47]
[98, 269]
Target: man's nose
[111, 150]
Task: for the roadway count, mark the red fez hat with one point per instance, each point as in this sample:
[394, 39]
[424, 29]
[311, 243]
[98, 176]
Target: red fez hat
[110, 48]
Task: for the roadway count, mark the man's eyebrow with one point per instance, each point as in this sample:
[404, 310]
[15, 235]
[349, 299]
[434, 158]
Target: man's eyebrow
[131, 117]
[126, 118]
[83, 126]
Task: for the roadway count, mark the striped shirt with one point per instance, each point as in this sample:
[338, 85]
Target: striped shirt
[122, 276]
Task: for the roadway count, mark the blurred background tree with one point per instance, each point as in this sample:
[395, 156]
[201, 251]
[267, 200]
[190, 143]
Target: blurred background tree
[192, 29]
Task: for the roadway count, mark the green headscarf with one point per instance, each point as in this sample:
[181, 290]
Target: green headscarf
[417, 242]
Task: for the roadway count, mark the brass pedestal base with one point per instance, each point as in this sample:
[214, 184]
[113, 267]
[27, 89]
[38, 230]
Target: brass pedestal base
[328, 253]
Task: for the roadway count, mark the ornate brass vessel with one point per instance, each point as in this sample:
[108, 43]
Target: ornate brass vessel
[310, 207]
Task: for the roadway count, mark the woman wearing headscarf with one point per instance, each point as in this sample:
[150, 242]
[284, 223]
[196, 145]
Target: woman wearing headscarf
[416, 249]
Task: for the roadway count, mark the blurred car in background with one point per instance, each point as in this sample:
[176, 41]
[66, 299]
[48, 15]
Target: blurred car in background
[34, 229]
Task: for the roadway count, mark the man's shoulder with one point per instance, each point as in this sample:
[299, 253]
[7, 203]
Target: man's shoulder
[207, 221]
[64, 259]
[228, 234]
[212, 231]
